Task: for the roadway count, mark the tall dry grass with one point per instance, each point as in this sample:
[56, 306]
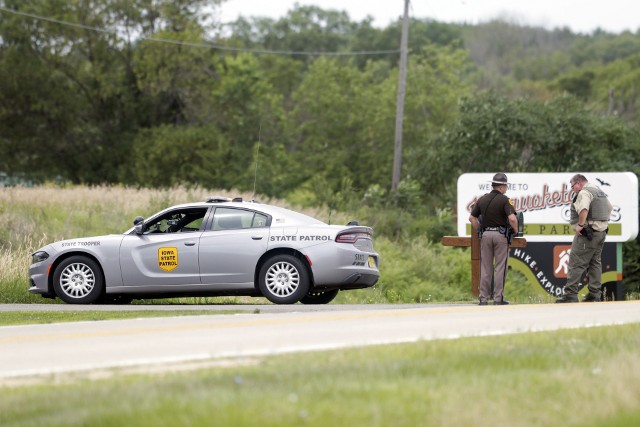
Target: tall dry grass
[14, 276]
[417, 270]
[414, 271]
[64, 212]
[35, 216]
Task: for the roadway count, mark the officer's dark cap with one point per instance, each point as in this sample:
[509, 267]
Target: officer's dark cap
[499, 179]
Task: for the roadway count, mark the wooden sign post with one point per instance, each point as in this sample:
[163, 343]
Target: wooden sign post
[474, 242]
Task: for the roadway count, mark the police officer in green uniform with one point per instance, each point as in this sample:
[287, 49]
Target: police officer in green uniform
[498, 214]
[590, 213]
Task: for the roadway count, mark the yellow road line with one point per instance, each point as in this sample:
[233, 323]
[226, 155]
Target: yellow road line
[265, 322]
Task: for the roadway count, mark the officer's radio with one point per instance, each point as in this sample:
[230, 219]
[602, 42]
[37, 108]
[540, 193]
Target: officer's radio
[520, 217]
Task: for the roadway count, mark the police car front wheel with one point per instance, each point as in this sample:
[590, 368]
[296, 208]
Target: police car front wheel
[78, 280]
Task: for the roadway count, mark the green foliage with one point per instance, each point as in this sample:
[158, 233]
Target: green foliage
[317, 192]
[615, 88]
[414, 267]
[494, 132]
[42, 317]
[579, 84]
[78, 100]
[170, 155]
[326, 115]
[421, 271]
[88, 96]
[437, 78]
[455, 381]
[143, 101]
[604, 47]
[407, 196]
[504, 48]
[248, 112]
[303, 29]
[375, 196]
[631, 267]
[173, 80]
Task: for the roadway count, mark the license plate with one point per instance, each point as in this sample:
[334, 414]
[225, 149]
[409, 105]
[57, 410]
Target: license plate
[372, 262]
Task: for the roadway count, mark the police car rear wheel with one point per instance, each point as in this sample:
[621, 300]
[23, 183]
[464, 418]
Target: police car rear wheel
[284, 280]
[116, 299]
[320, 297]
[78, 280]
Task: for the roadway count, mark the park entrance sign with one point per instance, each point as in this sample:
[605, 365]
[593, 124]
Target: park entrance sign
[545, 199]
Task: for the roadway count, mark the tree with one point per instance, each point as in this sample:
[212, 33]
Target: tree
[175, 79]
[495, 133]
[72, 75]
[248, 111]
[616, 88]
[325, 120]
[170, 155]
[304, 29]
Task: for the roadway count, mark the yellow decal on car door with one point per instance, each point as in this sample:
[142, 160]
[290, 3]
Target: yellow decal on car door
[168, 258]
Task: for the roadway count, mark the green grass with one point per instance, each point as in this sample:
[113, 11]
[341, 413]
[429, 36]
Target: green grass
[39, 317]
[413, 268]
[585, 377]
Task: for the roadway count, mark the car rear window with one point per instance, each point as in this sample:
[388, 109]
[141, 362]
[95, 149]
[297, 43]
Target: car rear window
[234, 219]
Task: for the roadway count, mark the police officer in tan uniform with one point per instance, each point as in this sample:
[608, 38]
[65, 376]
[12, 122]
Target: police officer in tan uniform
[497, 215]
[590, 213]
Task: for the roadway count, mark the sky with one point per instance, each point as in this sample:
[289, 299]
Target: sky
[581, 16]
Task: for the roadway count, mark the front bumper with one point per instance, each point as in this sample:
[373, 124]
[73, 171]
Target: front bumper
[39, 279]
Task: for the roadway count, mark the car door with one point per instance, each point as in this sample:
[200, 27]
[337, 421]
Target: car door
[232, 246]
[167, 251]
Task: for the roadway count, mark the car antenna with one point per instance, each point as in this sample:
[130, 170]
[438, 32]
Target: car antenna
[255, 173]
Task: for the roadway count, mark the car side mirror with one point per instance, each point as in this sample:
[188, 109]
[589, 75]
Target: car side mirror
[138, 223]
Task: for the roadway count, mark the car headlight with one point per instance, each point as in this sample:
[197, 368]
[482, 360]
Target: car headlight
[39, 257]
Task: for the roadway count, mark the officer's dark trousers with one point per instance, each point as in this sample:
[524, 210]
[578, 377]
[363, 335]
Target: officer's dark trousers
[493, 245]
[585, 256]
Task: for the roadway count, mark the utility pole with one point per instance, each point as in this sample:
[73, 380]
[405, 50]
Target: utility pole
[402, 80]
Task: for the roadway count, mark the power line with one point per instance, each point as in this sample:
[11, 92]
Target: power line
[199, 45]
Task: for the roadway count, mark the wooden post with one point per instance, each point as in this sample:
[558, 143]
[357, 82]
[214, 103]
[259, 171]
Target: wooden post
[402, 81]
[475, 263]
[474, 243]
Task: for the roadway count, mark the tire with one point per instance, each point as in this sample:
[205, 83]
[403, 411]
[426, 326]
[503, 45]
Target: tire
[117, 299]
[284, 279]
[78, 280]
[320, 297]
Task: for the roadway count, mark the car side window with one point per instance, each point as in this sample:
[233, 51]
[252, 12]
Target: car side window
[236, 219]
[259, 221]
[177, 221]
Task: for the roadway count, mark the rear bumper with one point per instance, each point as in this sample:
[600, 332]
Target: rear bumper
[342, 266]
[359, 281]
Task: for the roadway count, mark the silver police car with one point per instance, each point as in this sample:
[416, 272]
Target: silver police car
[213, 248]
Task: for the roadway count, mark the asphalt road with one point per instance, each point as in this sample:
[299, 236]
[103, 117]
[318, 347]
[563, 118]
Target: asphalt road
[54, 350]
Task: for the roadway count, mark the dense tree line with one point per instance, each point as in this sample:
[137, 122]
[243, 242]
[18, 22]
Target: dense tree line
[157, 93]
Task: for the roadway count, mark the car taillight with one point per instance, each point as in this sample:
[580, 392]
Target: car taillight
[352, 237]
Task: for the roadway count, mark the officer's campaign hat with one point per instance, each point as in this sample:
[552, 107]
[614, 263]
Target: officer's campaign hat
[499, 179]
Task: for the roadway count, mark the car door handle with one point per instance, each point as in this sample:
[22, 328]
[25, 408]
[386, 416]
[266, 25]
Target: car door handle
[189, 243]
[256, 237]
